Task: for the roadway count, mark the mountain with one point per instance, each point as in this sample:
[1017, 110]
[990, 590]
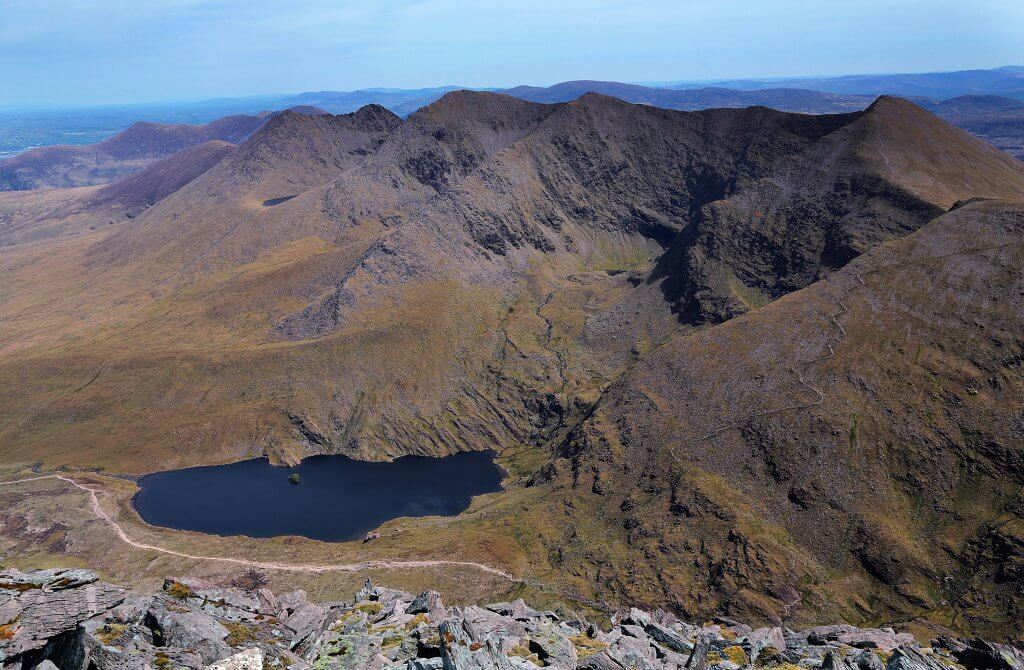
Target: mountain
[993, 118]
[401, 101]
[36, 215]
[774, 427]
[1004, 81]
[27, 129]
[975, 105]
[735, 361]
[125, 153]
[787, 100]
[998, 120]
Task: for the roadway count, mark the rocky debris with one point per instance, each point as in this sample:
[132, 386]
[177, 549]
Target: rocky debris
[68, 620]
[249, 659]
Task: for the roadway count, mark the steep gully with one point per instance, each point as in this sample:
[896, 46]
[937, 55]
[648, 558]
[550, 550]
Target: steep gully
[798, 368]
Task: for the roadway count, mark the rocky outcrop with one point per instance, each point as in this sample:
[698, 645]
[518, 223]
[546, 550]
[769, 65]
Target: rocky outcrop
[67, 619]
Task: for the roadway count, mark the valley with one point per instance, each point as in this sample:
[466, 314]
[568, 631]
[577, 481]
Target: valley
[734, 361]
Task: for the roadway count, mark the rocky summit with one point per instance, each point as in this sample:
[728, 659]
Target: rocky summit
[68, 619]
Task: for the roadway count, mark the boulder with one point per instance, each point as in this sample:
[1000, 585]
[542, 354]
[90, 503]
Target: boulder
[428, 602]
[517, 609]
[386, 596]
[861, 660]
[885, 639]
[976, 653]
[462, 648]
[343, 651]
[553, 647]
[822, 635]
[698, 659]
[601, 661]
[193, 629]
[486, 621]
[766, 639]
[911, 658]
[307, 622]
[637, 618]
[291, 601]
[42, 609]
[249, 659]
[423, 664]
[668, 639]
[632, 652]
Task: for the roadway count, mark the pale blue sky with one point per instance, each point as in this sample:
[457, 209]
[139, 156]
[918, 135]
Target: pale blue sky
[108, 51]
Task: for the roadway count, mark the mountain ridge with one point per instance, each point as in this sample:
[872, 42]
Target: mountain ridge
[587, 286]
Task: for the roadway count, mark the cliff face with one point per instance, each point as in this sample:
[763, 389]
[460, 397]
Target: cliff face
[739, 360]
[69, 619]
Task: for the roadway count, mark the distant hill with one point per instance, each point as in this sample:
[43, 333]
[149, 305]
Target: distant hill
[997, 120]
[786, 100]
[126, 153]
[123, 154]
[401, 101]
[1006, 81]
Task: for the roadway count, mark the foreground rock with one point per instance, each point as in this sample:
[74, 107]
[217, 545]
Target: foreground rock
[69, 620]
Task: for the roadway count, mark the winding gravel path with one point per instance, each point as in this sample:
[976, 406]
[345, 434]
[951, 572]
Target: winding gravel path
[100, 513]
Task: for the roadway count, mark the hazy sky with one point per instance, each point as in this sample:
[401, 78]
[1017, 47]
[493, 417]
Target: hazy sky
[99, 51]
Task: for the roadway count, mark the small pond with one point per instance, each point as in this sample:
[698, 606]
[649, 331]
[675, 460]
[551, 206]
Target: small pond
[337, 498]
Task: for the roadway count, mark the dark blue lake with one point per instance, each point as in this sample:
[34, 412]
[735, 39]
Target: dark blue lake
[336, 499]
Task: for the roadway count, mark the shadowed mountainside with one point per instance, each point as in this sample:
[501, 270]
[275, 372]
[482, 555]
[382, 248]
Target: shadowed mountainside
[589, 287]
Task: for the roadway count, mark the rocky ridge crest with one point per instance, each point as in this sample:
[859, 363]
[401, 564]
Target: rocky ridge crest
[69, 619]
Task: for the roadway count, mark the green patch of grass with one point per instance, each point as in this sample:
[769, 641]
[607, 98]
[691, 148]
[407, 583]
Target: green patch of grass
[586, 645]
[392, 640]
[750, 297]
[370, 608]
[522, 651]
[110, 632]
[239, 634]
[736, 654]
[180, 591]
